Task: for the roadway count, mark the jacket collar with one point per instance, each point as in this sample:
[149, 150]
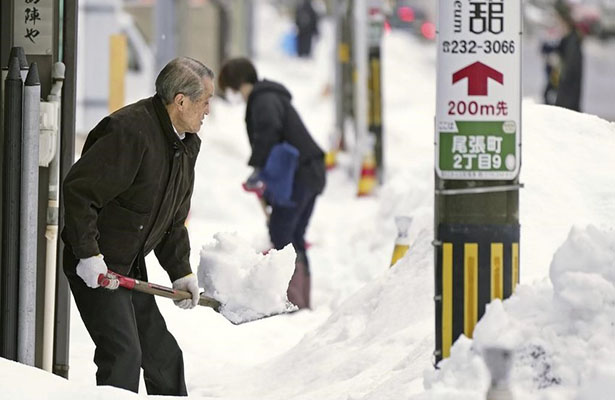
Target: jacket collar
[189, 145]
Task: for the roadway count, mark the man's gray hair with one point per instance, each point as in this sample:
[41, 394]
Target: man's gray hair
[182, 75]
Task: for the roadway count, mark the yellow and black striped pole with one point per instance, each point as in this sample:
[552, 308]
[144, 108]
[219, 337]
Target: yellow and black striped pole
[475, 264]
[374, 86]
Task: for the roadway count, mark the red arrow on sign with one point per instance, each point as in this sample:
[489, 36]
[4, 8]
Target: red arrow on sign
[478, 74]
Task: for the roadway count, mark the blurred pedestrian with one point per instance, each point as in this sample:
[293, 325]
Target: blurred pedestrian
[306, 21]
[549, 52]
[571, 57]
[127, 195]
[280, 142]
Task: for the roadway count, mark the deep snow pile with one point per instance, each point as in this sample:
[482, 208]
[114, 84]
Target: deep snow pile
[248, 284]
[561, 336]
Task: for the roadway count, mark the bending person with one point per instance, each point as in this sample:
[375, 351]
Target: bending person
[127, 195]
[272, 120]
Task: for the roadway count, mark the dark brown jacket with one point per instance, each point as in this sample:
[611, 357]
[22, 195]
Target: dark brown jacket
[130, 191]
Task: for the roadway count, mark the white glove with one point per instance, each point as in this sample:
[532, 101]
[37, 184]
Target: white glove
[190, 284]
[90, 268]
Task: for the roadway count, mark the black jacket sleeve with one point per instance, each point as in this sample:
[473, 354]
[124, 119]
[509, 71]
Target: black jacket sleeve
[173, 251]
[107, 167]
[267, 121]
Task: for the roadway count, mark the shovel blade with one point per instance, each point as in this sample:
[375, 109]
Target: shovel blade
[239, 317]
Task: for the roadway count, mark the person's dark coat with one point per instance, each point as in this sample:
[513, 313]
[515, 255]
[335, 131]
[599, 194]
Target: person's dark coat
[569, 88]
[272, 119]
[129, 193]
[306, 20]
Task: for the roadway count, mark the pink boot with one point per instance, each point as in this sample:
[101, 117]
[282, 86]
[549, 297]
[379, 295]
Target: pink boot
[299, 286]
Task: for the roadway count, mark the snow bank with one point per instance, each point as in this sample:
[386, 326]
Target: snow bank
[249, 285]
[21, 382]
[567, 168]
[561, 335]
[367, 349]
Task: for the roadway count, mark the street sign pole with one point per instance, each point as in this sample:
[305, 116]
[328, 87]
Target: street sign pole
[477, 162]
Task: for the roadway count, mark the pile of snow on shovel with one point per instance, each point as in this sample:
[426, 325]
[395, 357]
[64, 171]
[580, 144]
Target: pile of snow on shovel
[248, 284]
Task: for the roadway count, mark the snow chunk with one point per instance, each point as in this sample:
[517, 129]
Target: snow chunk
[561, 335]
[249, 285]
[582, 271]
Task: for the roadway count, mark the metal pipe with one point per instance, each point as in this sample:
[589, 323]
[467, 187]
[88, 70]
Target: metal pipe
[13, 97]
[360, 60]
[478, 190]
[61, 333]
[51, 231]
[26, 337]
[18, 52]
[361, 107]
[499, 361]
[340, 53]
[164, 30]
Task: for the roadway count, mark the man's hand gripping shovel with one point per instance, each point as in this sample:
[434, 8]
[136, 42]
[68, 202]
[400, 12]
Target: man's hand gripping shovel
[113, 281]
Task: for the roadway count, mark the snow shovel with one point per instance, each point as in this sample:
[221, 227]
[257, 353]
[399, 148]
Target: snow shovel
[114, 280]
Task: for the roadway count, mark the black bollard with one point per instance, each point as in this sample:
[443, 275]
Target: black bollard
[13, 102]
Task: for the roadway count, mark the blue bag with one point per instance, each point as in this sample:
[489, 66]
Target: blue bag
[288, 43]
[279, 174]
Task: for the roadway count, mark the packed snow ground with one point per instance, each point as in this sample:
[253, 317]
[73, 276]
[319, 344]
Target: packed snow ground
[370, 334]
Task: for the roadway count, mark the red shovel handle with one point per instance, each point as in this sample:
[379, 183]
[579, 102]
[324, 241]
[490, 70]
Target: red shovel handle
[113, 280]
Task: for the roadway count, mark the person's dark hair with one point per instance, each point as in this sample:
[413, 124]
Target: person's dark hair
[182, 75]
[236, 71]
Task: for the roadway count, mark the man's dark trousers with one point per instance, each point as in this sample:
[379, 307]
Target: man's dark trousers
[129, 333]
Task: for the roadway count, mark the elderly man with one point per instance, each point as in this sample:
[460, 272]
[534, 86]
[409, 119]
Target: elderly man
[127, 195]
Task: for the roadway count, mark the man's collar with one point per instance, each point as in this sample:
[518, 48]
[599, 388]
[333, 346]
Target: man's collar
[165, 120]
[181, 136]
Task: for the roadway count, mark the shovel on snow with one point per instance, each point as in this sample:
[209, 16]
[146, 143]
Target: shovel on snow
[114, 280]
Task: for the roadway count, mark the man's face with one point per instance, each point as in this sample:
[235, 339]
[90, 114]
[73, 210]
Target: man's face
[192, 113]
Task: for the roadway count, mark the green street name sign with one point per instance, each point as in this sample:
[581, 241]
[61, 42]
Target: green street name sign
[478, 102]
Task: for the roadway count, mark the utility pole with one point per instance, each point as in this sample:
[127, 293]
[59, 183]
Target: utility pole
[375, 29]
[477, 162]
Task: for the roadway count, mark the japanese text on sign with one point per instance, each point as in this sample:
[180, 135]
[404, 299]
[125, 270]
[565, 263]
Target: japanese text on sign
[487, 16]
[478, 104]
[482, 150]
[34, 25]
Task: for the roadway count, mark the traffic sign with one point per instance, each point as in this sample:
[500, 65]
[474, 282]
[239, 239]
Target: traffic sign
[478, 110]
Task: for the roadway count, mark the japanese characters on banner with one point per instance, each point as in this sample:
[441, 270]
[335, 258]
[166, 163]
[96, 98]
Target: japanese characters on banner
[33, 26]
[478, 110]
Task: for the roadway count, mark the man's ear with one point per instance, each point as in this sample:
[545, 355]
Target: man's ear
[178, 100]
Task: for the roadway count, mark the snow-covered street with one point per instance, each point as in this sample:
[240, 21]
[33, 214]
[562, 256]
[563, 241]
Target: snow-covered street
[370, 333]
